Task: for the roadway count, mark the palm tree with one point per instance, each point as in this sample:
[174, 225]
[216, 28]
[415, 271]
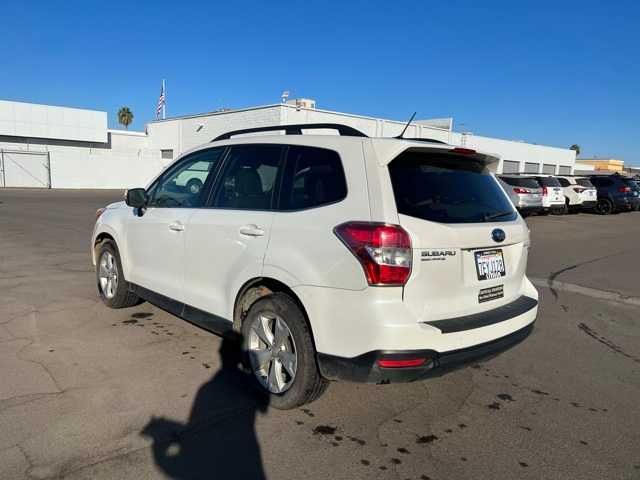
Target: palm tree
[576, 148]
[125, 117]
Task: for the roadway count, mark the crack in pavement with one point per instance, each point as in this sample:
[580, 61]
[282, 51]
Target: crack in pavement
[587, 291]
[605, 341]
[554, 275]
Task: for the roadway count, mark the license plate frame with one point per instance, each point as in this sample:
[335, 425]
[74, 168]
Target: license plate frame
[489, 264]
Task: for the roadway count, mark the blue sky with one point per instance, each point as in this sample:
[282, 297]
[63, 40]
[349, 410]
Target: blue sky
[554, 73]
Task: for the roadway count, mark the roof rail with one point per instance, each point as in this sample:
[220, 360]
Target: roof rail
[295, 129]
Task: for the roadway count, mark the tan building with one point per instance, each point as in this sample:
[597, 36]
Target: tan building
[601, 164]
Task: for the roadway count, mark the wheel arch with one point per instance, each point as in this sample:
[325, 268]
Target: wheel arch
[103, 235]
[257, 288]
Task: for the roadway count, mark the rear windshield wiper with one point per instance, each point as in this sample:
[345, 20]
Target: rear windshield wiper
[488, 217]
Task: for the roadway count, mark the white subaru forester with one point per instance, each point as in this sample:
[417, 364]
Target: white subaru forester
[334, 256]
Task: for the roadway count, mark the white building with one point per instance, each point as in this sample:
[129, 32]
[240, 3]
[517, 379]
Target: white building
[47, 146]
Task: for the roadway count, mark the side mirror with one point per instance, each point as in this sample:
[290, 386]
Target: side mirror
[136, 198]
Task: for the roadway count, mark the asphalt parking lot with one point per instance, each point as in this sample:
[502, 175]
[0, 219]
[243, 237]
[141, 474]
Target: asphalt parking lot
[91, 393]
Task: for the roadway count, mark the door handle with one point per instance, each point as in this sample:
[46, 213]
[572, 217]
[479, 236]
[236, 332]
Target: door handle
[176, 226]
[251, 231]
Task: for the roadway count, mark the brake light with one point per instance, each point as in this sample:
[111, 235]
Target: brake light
[624, 189]
[579, 189]
[521, 190]
[99, 212]
[383, 250]
[464, 151]
[545, 191]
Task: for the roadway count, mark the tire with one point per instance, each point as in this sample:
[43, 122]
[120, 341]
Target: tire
[284, 390]
[108, 266]
[194, 186]
[604, 206]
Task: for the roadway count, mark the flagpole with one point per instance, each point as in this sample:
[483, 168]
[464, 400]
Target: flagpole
[165, 100]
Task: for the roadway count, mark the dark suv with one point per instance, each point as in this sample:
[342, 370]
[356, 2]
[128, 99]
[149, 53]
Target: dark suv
[633, 184]
[614, 195]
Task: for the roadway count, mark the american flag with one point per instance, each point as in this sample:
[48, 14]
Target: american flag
[161, 102]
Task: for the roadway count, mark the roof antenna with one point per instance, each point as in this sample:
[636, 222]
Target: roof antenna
[407, 125]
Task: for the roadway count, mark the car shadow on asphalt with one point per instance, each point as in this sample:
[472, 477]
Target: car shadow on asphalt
[219, 439]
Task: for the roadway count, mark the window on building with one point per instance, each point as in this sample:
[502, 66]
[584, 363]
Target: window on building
[313, 177]
[530, 167]
[510, 166]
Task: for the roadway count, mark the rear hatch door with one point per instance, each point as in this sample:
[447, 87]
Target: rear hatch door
[553, 189]
[469, 244]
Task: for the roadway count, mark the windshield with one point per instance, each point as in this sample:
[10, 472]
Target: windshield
[584, 182]
[549, 182]
[447, 189]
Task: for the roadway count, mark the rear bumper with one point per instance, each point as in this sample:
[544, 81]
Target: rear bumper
[588, 205]
[529, 209]
[365, 368]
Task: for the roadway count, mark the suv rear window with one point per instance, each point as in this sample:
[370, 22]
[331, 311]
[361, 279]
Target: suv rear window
[631, 183]
[549, 182]
[584, 182]
[525, 182]
[447, 189]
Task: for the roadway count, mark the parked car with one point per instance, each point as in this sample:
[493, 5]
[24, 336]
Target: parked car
[579, 192]
[614, 195]
[552, 195]
[525, 193]
[335, 256]
[634, 186]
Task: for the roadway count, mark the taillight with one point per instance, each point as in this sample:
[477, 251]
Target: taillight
[579, 189]
[383, 250]
[545, 191]
[521, 190]
[99, 212]
[624, 189]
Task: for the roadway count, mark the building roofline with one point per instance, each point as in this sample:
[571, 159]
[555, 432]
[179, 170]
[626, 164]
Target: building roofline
[216, 112]
[54, 106]
[132, 133]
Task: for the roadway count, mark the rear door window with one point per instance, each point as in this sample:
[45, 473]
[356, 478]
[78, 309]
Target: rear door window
[447, 189]
[525, 182]
[549, 182]
[248, 180]
[313, 177]
[584, 182]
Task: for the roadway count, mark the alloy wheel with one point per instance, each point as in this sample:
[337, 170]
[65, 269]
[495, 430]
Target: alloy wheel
[272, 352]
[108, 275]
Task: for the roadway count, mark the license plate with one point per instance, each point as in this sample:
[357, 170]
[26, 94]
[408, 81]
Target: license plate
[489, 264]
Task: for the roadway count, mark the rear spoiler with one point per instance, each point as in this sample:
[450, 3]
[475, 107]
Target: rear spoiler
[387, 151]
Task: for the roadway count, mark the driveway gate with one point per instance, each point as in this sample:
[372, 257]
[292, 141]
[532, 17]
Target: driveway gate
[20, 168]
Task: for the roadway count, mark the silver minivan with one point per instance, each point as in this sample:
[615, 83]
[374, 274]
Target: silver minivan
[525, 193]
